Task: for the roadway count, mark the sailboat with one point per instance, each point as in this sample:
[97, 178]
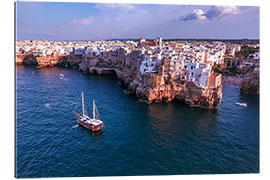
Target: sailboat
[93, 124]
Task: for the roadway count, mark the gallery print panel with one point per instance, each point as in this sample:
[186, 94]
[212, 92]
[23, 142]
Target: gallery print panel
[113, 89]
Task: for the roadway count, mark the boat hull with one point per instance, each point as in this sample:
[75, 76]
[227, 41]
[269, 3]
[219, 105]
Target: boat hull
[89, 126]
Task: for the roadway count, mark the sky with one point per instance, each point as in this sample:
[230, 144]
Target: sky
[102, 21]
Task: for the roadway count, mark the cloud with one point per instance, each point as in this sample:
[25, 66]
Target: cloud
[216, 12]
[88, 20]
[196, 14]
[122, 6]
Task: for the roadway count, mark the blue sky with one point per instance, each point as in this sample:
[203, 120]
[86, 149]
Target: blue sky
[95, 21]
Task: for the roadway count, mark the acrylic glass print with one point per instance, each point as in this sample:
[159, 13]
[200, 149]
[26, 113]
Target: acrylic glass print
[136, 89]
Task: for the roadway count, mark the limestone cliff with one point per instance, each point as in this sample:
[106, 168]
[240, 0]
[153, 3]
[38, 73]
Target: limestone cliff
[148, 87]
[152, 87]
[251, 82]
[30, 60]
[189, 93]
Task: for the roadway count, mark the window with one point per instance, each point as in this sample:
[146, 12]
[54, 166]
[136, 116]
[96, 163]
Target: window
[185, 67]
[191, 67]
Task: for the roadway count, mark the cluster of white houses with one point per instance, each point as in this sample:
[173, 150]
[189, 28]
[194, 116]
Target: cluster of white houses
[185, 60]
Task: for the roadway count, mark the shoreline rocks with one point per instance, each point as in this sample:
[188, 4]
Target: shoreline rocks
[251, 83]
[30, 60]
[248, 81]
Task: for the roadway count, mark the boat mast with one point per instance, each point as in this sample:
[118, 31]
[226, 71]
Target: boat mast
[83, 104]
[94, 109]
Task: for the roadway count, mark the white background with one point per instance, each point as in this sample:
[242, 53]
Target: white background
[7, 69]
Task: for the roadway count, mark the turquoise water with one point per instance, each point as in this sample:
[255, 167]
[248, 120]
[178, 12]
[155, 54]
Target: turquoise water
[138, 139]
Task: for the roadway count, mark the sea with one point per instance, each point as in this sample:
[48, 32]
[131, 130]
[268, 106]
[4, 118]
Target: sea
[138, 138]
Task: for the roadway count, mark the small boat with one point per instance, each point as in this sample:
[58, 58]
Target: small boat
[93, 124]
[61, 76]
[241, 104]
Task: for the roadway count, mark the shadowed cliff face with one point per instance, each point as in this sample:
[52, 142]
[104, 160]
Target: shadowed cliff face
[30, 59]
[251, 83]
[246, 77]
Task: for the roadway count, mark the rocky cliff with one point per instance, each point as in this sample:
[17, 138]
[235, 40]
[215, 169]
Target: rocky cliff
[148, 87]
[152, 87]
[189, 93]
[40, 61]
[251, 82]
[30, 60]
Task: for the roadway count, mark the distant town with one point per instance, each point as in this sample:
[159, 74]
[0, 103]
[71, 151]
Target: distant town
[157, 70]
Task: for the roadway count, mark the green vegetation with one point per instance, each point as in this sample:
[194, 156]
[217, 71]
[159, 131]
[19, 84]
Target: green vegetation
[217, 68]
[245, 51]
[230, 71]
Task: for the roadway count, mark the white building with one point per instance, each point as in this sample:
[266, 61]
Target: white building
[198, 73]
[256, 56]
[159, 42]
[216, 57]
[150, 63]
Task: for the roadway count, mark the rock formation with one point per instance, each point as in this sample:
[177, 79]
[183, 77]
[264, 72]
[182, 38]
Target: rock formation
[148, 87]
[187, 92]
[251, 82]
[30, 59]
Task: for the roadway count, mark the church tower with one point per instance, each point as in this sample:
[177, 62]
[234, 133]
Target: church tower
[159, 42]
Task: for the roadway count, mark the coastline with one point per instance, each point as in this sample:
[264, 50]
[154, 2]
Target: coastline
[151, 71]
[148, 87]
